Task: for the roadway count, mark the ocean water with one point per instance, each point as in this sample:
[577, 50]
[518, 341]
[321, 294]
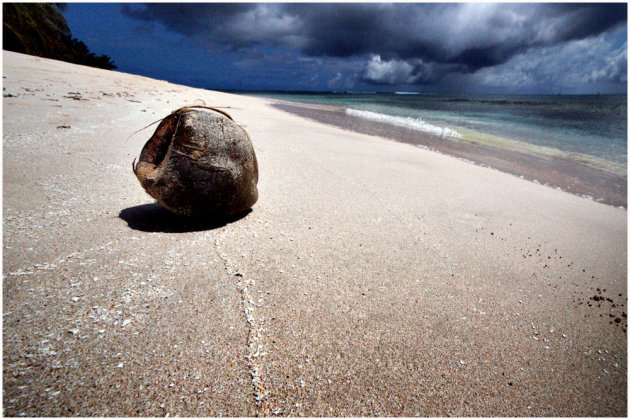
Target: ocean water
[591, 130]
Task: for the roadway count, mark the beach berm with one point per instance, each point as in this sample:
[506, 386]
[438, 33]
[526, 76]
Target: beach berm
[371, 278]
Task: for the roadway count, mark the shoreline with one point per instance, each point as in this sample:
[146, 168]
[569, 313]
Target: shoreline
[562, 174]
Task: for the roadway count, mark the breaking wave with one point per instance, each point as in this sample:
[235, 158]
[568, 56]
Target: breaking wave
[408, 122]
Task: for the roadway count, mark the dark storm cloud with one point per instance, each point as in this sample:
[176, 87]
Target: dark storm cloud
[576, 21]
[186, 18]
[228, 25]
[402, 43]
[343, 30]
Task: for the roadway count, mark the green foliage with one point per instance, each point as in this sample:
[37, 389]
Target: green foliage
[40, 29]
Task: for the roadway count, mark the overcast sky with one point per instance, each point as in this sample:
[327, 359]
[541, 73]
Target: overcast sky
[433, 47]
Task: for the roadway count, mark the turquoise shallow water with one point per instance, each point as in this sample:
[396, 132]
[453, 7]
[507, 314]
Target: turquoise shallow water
[590, 129]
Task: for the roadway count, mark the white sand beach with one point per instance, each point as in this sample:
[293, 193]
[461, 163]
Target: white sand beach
[371, 278]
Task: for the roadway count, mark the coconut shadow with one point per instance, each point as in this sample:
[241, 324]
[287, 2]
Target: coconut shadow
[155, 218]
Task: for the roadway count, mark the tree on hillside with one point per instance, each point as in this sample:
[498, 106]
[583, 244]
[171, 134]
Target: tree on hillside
[40, 29]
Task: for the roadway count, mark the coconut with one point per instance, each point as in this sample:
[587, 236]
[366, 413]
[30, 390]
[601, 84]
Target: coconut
[199, 162]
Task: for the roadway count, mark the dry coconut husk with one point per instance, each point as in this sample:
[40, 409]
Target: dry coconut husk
[199, 162]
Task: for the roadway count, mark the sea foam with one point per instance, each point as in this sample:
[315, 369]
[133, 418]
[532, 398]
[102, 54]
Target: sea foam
[408, 122]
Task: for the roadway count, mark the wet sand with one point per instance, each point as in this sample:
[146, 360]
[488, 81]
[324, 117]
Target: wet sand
[371, 278]
[567, 175]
